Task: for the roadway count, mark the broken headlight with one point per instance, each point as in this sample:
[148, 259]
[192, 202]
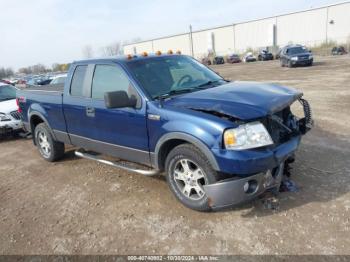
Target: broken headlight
[250, 135]
[4, 117]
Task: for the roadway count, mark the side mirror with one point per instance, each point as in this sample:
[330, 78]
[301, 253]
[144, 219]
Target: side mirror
[119, 99]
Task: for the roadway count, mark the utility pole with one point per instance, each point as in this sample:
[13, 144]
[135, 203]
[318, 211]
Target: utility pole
[327, 25]
[191, 40]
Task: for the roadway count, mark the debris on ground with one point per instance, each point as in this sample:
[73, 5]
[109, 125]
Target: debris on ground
[288, 185]
[271, 203]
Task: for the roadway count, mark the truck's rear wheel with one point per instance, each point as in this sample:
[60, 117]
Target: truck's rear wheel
[49, 149]
[188, 170]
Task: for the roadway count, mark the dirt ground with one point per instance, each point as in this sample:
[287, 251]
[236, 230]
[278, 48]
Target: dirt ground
[77, 206]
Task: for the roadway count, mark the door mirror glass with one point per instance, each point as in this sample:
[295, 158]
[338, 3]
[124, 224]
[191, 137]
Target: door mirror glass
[119, 99]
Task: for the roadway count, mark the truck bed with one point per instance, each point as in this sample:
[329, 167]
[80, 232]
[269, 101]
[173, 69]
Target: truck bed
[44, 99]
[49, 88]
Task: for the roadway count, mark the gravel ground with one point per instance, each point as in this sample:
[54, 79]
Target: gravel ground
[77, 206]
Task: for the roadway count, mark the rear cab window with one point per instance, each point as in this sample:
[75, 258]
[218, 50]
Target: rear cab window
[78, 81]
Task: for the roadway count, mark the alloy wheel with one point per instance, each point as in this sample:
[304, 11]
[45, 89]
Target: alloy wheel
[190, 178]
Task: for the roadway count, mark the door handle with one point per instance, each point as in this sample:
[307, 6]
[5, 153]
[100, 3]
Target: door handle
[90, 111]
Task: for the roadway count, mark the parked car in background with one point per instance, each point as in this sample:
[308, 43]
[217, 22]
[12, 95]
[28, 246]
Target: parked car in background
[219, 143]
[219, 60]
[339, 50]
[10, 119]
[233, 58]
[206, 61]
[21, 82]
[59, 79]
[294, 55]
[5, 81]
[249, 57]
[33, 81]
[265, 55]
[44, 81]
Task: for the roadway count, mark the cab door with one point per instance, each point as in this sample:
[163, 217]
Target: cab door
[76, 104]
[120, 132]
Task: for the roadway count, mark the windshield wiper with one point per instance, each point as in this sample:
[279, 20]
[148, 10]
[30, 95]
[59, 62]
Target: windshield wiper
[187, 90]
[210, 82]
[174, 92]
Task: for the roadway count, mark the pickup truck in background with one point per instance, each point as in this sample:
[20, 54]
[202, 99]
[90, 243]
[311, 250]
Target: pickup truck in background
[219, 143]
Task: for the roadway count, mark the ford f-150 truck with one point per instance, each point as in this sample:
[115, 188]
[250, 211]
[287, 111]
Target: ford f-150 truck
[219, 143]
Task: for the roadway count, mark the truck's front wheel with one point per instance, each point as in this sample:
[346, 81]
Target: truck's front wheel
[49, 149]
[188, 170]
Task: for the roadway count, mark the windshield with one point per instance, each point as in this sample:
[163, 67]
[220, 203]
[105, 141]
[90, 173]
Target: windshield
[297, 50]
[7, 93]
[172, 74]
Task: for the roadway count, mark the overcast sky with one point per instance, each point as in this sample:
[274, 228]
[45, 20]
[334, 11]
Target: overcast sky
[49, 31]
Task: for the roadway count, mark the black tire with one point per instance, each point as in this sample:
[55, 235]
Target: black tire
[188, 152]
[290, 64]
[56, 149]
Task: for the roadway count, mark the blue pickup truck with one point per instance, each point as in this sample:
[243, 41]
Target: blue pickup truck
[219, 143]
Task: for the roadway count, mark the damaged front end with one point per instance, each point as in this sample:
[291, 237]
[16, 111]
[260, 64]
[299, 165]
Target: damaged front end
[284, 125]
[233, 191]
[259, 138]
[285, 130]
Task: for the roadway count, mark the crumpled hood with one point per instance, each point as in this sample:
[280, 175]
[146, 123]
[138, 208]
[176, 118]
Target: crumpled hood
[242, 100]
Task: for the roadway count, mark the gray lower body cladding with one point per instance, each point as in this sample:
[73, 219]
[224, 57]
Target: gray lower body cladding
[231, 192]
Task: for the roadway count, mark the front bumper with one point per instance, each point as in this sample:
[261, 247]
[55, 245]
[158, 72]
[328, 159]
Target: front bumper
[10, 126]
[250, 60]
[302, 62]
[234, 191]
[267, 58]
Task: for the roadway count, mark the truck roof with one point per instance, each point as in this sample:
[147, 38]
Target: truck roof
[124, 58]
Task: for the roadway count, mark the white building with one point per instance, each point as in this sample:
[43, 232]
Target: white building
[310, 27]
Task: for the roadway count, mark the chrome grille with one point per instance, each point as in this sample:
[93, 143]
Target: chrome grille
[304, 57]
[16, 115]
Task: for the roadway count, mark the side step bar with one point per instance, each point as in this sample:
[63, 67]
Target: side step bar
[145, 172]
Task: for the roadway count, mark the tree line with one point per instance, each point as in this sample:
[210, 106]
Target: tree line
[42, 69]
[6, 72]
[112, 49]
[34, 70]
